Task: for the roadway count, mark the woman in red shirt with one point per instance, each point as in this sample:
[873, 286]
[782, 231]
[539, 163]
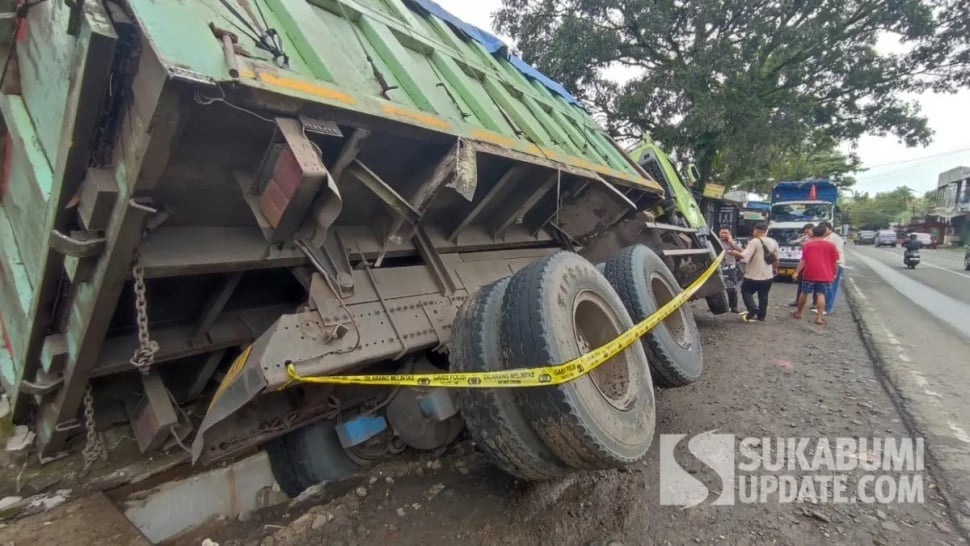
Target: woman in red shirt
[816, 270]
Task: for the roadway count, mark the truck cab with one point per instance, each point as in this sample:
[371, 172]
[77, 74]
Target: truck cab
[793, 205]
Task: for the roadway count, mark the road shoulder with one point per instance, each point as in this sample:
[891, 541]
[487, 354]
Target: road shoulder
[918, 401]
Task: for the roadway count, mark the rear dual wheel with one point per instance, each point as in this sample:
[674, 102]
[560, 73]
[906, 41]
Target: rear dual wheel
[552, 311]
[493, 416]
[645, 284]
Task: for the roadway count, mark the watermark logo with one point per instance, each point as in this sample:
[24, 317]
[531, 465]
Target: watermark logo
[790, 470]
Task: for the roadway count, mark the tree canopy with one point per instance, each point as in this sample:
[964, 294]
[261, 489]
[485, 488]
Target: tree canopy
[946, 56]
[814, 157]
[741, 87]
[884, 208]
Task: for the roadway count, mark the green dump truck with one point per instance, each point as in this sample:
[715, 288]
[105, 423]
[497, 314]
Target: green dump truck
[199, 198]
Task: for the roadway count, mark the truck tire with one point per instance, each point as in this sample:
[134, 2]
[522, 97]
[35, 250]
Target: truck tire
[718, 303]
[559, 308]
[645, 284]
[492, 415]
[308, 456]
[283, 469]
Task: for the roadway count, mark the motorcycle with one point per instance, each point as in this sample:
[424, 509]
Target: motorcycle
[911, 259]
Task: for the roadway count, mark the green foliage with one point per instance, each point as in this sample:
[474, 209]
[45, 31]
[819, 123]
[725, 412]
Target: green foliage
[878, 211]
[946, 56]
[818, 157]
[738, 86]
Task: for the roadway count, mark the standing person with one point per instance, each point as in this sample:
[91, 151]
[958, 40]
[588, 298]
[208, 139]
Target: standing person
[805, 237]
[817, 270]
[761, 262]
[732, 272]
[833, 292]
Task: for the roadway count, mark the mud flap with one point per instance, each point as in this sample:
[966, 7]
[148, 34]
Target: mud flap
[242, 384]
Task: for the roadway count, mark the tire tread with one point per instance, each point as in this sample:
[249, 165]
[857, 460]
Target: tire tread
[553, 414]
[491, 415]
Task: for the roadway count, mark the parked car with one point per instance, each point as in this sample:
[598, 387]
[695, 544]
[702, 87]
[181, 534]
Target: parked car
[927, 239]
[865, 237]
[885, 237]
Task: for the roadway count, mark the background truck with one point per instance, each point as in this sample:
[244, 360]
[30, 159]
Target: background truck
[198, 196]
[794, 204]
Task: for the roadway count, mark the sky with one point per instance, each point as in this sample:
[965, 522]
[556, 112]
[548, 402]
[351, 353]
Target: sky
[888, 163]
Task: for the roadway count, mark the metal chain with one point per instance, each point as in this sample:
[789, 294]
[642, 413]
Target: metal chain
[94, 449]
[144, 356]
[143, 359]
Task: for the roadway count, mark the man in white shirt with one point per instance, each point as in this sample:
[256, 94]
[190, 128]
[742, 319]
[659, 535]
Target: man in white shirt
[833, 291]
[761, 259]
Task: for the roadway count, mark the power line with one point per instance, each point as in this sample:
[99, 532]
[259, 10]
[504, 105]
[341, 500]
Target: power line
[864, 178]
[934, 156]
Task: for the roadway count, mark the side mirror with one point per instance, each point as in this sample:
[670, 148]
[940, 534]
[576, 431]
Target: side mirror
[693, 175]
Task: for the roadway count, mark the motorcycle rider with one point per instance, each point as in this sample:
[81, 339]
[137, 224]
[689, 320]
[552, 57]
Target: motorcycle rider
[912, 245]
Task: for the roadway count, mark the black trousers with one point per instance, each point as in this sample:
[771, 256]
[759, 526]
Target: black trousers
[751, 287]
[731, 277]
[732, 294]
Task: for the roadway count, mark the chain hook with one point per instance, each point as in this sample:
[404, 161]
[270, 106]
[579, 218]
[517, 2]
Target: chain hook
[144, 356]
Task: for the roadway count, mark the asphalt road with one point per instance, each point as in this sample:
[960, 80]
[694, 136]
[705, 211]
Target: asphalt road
[941, 270]
[918, 326]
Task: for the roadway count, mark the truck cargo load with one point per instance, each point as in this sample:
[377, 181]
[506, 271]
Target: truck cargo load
[197, 196]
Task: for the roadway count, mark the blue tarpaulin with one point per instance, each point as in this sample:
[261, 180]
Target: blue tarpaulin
[802, 191]
[494, 45]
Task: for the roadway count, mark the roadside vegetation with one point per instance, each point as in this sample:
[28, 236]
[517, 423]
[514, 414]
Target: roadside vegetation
[882, 209]
[751, 91]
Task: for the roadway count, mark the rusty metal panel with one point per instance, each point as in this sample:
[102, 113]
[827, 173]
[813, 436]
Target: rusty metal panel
[49, 127]
[395, 60]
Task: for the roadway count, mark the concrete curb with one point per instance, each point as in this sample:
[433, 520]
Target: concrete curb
[879, 356]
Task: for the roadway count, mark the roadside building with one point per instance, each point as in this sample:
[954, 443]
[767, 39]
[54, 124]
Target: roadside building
[953, 205]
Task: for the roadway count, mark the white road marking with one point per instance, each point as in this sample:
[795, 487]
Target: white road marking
[950, 311]
[959, 432]
[858, 291]
[957, 273]
[928, 264]
[907, 363]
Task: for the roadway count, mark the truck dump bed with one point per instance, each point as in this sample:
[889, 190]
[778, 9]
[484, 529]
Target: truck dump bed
[178, 176]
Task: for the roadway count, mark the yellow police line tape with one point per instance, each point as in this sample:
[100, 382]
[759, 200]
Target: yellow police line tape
[520, 377]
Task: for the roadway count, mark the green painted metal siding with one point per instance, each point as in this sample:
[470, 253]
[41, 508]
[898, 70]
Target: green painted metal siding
[436, 77]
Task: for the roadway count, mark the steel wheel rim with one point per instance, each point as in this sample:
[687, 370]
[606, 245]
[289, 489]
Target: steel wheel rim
[594, 325]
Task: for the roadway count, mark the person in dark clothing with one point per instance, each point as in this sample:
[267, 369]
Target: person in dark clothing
[730, 268]
[913, 244]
